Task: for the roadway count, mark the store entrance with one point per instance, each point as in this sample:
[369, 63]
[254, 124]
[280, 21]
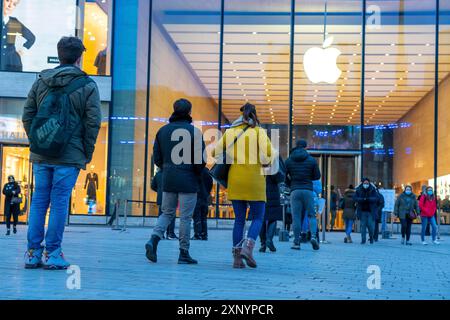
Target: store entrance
[340, 170]
[15, 160]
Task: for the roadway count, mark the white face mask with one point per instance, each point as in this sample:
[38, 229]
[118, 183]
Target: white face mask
[366, 186]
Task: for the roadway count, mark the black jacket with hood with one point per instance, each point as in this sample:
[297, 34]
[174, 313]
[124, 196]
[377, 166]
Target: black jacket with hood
[301, 170]
[86, 102]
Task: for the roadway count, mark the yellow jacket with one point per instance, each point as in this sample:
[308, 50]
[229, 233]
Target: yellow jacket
[246, 180]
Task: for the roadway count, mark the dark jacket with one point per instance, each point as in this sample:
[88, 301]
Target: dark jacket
[156, 186]
[334, 199]
[183, 177]
[366, 198]
[86, 103]
[301, 170]
[380, 205]
[274, 210]
[8, 189]
[405, 204]
[206, 185]
[349, 205]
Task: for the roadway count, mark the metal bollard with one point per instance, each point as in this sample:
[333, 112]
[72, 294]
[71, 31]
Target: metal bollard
[125, 214]
[116, 213]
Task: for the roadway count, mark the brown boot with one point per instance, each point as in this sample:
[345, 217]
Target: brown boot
[238, 263]
[247, 252]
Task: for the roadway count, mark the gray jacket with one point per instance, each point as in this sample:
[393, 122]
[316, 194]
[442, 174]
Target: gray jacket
[405, 204]
[86, 102]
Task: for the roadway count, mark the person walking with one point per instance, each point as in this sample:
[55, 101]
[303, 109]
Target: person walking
[180, 177]
[273, 210]
[301, 170]
[156, 186]
[366, 199]
[348, 206]
[246, 182]
[58, 152]
[200, 216]
[334, 199]
[406, 208]
[428, 207]
[12, 192]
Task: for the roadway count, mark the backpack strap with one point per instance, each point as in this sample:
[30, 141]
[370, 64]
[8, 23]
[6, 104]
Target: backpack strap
[76, 84]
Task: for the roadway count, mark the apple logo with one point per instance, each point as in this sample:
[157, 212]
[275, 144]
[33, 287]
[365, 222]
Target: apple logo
[320, 63]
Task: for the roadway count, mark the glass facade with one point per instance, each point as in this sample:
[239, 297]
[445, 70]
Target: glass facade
[364, 81]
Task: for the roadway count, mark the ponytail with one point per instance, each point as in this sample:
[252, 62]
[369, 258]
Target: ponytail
[249, 114]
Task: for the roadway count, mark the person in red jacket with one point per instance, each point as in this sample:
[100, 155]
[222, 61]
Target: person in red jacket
[428, 207]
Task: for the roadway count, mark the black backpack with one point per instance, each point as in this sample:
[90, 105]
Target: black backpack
[52, 128]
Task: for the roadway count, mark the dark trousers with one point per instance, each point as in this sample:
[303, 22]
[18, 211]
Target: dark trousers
[376, 229]
[171, 227]
[367, 223]
[267, 232]
[406, 228]
[14, 215]
[200, 217]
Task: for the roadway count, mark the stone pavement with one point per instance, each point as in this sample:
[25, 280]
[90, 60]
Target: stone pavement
[113, 266]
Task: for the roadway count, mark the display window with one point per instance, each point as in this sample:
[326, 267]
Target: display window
[29, 45]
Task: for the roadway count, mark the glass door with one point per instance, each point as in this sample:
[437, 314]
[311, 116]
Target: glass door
[15, 161]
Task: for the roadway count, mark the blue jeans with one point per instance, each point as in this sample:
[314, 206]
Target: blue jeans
[53, 186]
[257, 210]
[432, 221]
[348, 226]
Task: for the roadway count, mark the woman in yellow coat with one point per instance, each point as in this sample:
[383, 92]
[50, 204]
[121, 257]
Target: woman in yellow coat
[246, 180]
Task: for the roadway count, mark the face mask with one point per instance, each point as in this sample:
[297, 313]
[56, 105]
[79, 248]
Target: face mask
[366, 186]
[430, 193]
[408, 192]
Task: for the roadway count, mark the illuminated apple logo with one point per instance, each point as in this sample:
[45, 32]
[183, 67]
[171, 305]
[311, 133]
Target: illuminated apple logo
[320, 63]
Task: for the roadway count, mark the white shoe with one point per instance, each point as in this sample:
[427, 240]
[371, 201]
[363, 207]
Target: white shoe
[424, 243]
[436, 242]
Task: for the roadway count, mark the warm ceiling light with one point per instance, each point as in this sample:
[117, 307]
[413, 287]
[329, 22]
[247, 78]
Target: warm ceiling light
[262, 70]
[234, 70]
[265, 84]
[354, 54]
[373, 78]
[377, 71]
[237, 77]
[381, 63]
[240, 83]
[268, 100]
[358, 44]
[387, 54]
[260, 62]
[419, 54]
[392, 44]
[259, 53]
[264, 77]
[231, 62]
[254, 32]
[413, 63]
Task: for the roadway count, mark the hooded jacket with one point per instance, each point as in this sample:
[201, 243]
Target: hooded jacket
[86, 102]
[301, 170]
[367, 200]
[428, 206]
[349, 205]
[405, 204]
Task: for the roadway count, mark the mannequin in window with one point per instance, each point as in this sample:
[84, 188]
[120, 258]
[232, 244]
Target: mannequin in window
[91, 187]
[100, 62]
[12, 30]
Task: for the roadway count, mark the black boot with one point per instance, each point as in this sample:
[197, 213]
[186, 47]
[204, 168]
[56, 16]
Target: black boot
[270, 234]
[14, 230]
[263, 247]
[151, 248]
[8, 232]
[185, 258]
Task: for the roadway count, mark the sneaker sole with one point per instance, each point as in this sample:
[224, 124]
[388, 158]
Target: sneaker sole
[315, 244]
[295, 248]
[148, 253]
[185, 262]
[249, 263]
[53, 267]
[33, 266]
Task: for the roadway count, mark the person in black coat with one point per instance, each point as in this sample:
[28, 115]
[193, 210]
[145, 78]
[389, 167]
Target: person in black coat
[11, 190]
[179, 151]
[274, 210]
[201, 208]
[156, 186]
[366, 198]
[380, 205]
[10, 56]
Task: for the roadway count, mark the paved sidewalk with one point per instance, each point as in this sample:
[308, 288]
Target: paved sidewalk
[113, 266]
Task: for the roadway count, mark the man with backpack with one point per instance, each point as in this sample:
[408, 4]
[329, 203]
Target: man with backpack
[62, 118]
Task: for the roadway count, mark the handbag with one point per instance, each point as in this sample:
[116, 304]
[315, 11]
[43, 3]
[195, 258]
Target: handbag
[219, 171]
[16, 200]
[412, 215]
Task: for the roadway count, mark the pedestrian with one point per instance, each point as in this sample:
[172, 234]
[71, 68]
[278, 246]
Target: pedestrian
[12, 193]
[246, 182]
[301, 170]
[156, 186]
[334, 199]
[180, 177]
[348, 206]
[366, 199]
[423, 192]
[380, 207]
[406, 208]
[446, 204]
[428, 207]
[58, 152]
[200, 216]
[273, 210]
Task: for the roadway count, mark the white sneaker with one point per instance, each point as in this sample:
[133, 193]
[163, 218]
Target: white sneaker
[436, 242]
[424, 243]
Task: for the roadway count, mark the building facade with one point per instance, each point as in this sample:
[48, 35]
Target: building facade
[364, 81]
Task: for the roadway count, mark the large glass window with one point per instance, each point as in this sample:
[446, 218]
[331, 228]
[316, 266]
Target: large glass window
[327, 79]
[399, 100]
[31, 30]
[184, 64]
